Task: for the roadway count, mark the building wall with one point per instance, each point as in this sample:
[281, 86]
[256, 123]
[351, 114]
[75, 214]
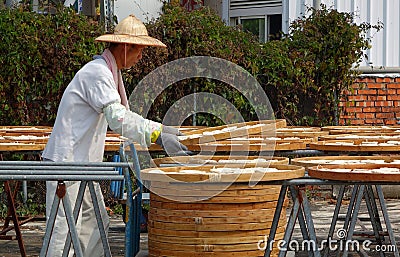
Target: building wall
[145, 10]
[373, 100]
[385, 43]
[215, 5]
[242, 8]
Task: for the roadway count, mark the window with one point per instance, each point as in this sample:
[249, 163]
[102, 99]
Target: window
[275, 27]
[266, 27]
[255, 26]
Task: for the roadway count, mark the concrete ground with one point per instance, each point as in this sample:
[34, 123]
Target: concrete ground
[322, 212]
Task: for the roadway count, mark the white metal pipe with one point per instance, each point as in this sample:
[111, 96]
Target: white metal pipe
[58, 172]
[285, 16]
[68, 164]
[374, 70]
[316, 4]
[62, 178]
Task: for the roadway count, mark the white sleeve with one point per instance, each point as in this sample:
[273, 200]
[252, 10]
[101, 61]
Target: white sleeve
[131, 125]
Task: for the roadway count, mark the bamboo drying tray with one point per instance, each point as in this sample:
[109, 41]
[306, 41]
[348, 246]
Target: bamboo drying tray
[219, 159]
[26, 129]
[32, 146]
[363, 136]
[241, 146]
[357, 172]
[210, 134]
[11, 137]
[18, 146]
[303, 138]
[360, 129]
[279, 123]
[344, 160]
[302, 132]
[357, 145]
[205, 173]
[7, 145]
[278, 139]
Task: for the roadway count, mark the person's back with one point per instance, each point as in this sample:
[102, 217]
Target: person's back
[80, 128]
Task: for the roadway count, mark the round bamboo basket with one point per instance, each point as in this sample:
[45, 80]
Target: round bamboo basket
[229, 173]
[194, 218]
[357, 172]
[217, 159]
[229, 224]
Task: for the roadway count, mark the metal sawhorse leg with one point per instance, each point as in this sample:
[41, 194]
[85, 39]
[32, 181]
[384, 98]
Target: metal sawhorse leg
[12, 215]
[72, 216]
[360, 192]
[301, 211]
[83, 172]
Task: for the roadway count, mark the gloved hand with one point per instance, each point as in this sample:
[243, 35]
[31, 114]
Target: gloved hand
[171, 130]
[171, 145]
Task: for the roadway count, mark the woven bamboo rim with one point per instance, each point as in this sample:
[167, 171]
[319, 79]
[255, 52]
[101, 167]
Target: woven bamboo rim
[345, 160]
[173, 174]
[335, 172]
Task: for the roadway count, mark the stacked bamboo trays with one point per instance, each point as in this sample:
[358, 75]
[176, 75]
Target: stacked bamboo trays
[358, 145]
[224, 132]
[254, 136]
[23, 138]
[213, 210]
[359, 139]
[34, 138]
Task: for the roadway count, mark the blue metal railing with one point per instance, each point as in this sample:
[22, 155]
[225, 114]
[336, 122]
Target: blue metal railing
[133, 208]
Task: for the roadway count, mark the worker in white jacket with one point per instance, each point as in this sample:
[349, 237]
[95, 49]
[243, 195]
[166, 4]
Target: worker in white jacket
[94, 99]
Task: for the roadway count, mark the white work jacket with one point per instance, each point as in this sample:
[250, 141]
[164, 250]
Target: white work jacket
[80, 128]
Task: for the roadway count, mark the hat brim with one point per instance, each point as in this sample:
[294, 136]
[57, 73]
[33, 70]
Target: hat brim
[128, 39]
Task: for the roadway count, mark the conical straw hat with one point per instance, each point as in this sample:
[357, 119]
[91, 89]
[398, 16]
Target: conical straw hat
[131, 31]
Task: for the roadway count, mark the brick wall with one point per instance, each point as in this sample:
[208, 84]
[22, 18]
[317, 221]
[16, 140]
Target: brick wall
[373, 100]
